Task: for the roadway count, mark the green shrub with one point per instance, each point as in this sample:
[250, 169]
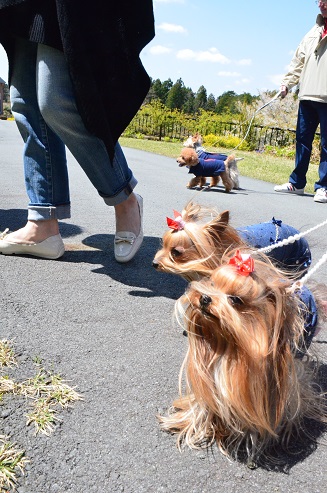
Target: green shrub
[227, 141]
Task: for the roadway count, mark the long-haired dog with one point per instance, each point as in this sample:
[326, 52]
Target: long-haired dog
[205, 165]
[195, 142]
[241, 384]
[199, 236]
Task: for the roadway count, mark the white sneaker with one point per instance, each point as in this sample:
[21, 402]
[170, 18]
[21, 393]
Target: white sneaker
[289, 188]
[321, 195]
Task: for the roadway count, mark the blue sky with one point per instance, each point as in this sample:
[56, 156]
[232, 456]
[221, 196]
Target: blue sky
[240, 45]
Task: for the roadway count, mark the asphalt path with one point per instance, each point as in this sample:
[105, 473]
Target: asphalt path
[108, 329]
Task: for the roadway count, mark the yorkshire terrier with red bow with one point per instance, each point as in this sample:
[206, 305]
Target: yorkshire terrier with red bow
[242, 384]
[199, 236]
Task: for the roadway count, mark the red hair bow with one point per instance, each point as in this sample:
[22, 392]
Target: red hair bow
[243, 262]
[176, 224]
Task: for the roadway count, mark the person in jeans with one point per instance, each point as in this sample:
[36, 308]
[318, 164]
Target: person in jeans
[308, 69]
[76, 80]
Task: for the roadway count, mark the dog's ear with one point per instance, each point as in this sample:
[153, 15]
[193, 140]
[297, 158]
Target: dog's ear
[220, 222]
[194, 159]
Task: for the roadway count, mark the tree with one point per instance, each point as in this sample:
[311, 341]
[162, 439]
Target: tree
[188, 106]
[211, 103]
[161, 89]
[176, 96]
[247, 98]
[226, 103]
[200, 101]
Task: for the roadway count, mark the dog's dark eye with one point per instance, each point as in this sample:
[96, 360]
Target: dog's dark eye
[235, 300]
[205, 300]
[177, 252]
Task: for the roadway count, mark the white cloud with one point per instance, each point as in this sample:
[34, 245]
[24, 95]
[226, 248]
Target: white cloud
[159, 50]
[244, 61]
[228, 74]
[211, 55]
[171, 28]
[242, 81]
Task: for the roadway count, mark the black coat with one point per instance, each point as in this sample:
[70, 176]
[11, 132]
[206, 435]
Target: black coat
[102, 40]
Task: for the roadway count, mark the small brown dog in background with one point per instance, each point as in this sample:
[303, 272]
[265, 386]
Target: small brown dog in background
[211, 167]
[195, 142]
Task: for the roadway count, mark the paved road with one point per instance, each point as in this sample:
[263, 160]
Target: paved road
[108, 329]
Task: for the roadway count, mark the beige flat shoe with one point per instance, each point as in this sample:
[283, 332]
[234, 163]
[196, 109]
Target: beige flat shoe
[127, 243]
[51, 248]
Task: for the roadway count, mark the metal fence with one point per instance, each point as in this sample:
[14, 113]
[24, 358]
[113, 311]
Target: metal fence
[258, 136]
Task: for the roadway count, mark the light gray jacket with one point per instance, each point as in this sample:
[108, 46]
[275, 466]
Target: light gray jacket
[308, 67]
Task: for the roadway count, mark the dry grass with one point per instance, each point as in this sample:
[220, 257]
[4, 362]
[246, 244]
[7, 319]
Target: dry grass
[7, 356]
[46, 393]
[12, 461]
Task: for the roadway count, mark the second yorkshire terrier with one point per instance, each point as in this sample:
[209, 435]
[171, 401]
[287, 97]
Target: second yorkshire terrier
[199, 236]
[195, 141]
[241, 384]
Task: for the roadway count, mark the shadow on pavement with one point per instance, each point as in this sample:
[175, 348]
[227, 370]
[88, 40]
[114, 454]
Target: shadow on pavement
[12, 219]
[139, 273]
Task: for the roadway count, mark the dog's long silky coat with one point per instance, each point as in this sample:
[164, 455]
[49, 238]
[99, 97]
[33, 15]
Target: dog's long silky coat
[241, 384]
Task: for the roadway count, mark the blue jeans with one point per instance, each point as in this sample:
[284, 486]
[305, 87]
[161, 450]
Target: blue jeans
[47, 117]
[310, 114]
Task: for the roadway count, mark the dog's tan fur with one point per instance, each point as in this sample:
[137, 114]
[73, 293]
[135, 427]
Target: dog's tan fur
[188, 157]
[196, 250]
[243, 384]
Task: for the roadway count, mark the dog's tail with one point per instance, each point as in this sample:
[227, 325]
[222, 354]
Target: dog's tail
[231, 167]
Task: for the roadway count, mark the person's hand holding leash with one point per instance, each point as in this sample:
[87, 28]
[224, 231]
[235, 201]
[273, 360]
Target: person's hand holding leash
[283, 91]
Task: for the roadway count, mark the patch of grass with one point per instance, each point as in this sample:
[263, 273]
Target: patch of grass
[43, 416]
[12, 460]
[261, 166]
[6, 385]
[7, 356]
[47, 392]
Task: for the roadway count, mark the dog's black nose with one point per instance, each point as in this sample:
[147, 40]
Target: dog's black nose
[205, 300]
[155, 264]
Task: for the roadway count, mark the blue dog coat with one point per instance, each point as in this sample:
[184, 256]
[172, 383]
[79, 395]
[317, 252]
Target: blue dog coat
[294, 256]
[209, 164]
[310, 316]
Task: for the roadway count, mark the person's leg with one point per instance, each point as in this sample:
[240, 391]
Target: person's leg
[307, 123]
[45, 168]
[322, 111]
[114, 181]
